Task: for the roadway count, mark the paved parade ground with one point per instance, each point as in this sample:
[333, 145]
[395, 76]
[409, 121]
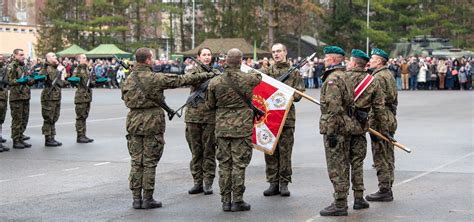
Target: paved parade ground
[89, 182]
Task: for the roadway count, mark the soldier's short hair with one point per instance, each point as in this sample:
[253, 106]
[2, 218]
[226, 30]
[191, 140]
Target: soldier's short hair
[16, 51]
[142, 54]
[282, 45]
[234, 56]
[200, 50]
[359, 62]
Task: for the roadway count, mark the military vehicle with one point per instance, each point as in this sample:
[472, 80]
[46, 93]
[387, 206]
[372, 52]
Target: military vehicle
[427, 45]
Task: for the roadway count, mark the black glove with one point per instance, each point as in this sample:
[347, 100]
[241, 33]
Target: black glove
[389, 136]
[332, 141]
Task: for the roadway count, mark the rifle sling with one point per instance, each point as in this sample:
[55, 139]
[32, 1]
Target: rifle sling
[236, 90]
[147, 96]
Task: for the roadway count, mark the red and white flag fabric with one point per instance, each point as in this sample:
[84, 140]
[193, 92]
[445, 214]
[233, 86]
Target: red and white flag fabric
[275, 98]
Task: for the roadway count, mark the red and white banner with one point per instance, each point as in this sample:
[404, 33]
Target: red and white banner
[275, 98]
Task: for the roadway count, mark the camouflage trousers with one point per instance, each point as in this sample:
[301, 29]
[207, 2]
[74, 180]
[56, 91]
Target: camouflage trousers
[384, 161]
[20, 111]
[50, 111]
[145, 152]
[3, 110]
[337, 160]
[278, 165]
[82, 112]
[202, 143]
[234, 155]
[357, 153]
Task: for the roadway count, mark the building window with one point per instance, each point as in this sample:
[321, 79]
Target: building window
[23, 30]
[15, 29]
[31, 30]
[7, 29]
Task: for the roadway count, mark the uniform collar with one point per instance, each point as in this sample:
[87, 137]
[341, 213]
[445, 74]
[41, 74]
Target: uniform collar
[280, 65]
[379, 69]
[142, 67]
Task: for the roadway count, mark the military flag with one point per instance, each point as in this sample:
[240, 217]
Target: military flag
[275, 98]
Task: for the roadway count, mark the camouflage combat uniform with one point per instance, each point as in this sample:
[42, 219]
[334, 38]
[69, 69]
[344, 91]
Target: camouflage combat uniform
[383, 155]
[146, 123]
[3, 96]
[82, 98]
[336, 97]
[278, 165]
[200, 126]
[234, 127]
[370, 99]
[50, 100]
[19, 100]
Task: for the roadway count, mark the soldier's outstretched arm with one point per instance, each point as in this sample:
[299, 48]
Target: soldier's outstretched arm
[170, 81]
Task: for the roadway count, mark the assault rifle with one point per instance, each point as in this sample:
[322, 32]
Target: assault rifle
[298, 66]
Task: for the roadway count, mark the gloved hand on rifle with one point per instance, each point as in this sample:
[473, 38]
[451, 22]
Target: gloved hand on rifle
[389, 136]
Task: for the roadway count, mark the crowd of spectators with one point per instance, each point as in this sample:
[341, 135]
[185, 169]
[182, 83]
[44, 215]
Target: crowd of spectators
[413, 73]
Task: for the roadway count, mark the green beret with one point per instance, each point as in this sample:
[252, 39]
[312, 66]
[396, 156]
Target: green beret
[357, 53]
[379, 52]
[334, 50]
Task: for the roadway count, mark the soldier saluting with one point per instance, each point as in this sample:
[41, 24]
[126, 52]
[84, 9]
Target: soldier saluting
[83, 98]
[142, 93]
[51, 98]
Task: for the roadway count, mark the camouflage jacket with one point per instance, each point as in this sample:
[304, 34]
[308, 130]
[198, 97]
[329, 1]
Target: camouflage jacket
[3, 88]
[387, 83]
[17, 91]
[371, 99]
[50, 92]
[199, 114]
[233, 117]
[337, 94]
[146, 117]
[294, 81]
[83, 92]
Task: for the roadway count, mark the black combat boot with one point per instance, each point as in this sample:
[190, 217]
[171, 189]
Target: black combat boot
[284, 192]
[57, 142]
[24, 137]
[240, 206]
[274, 189]
[333, 210]
[383, 195]
[90, 140]
[3, 148]
[197, 188]
[226, 207]
[49, 141]
[2, 140]
[207, 188]
[137, 203]
[360, 203]
[27, 145]
[83, 139]
[18, 145]
[150, 203]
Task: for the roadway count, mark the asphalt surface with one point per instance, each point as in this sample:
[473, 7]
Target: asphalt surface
[89, 182]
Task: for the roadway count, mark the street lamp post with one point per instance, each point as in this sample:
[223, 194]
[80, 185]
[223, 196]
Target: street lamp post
[194, 17]
[368, 11]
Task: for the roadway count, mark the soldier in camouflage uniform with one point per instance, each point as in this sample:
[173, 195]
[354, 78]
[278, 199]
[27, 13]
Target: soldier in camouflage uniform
[336, 125]
[142, 93]
[83, 98]
[19, 99]
[384, 159]
[200, 125]
[278, 165]
[51, 98]
[234, 126]
[371, 99]
[3, 101]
